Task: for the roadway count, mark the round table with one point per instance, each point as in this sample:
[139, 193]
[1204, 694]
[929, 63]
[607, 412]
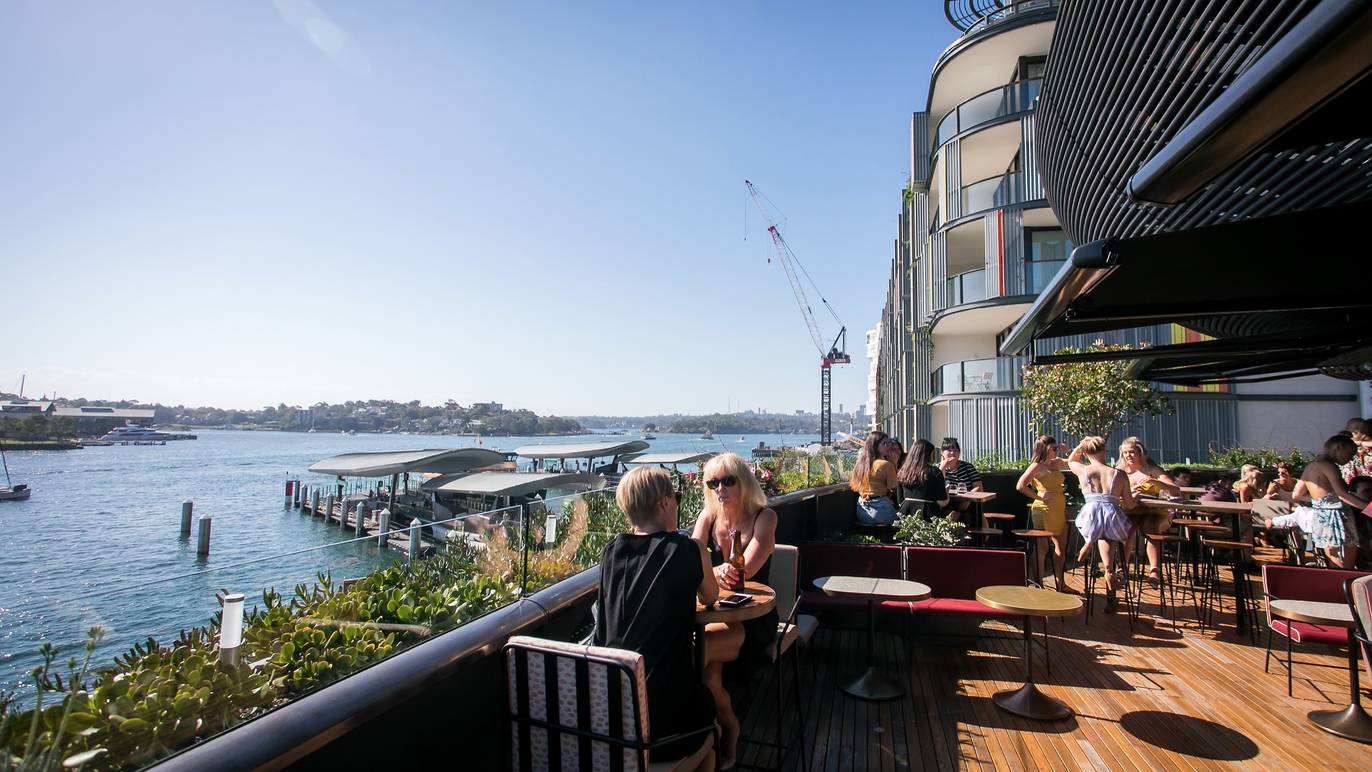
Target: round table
[1028, 701]
[764, 600]
[1352, 722]
[872, 684]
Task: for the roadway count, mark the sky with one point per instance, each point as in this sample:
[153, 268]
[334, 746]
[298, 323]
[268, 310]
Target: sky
[538, 203]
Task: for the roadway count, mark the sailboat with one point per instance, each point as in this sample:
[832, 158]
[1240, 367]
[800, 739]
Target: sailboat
[9, 491]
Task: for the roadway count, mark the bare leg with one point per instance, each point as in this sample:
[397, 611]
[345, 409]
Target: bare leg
[722, 644]
[1059, 558]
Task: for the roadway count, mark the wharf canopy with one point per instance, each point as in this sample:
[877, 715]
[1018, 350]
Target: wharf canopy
[511, 484]
[669, 459]
[388, 463]
[581, 449]
[1231, 199]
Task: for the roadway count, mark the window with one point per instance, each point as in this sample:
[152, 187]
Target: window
[1048, 249]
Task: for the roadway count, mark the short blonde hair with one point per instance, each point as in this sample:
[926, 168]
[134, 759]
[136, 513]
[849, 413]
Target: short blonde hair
[1093, 445]
[731, 464]
[640, 491]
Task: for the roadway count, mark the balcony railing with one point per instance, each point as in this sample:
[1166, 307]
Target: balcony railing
[966, 287]
[988, 106]
[1037, 274]
[993, 193]
[971, 16]
[980, 375]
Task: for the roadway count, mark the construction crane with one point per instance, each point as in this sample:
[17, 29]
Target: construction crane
[836, 354]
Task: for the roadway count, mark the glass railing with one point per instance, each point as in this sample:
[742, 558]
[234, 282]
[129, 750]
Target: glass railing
[966, 287]
[980, 375]
[1038, 273]
[993, 193]
[987, 106]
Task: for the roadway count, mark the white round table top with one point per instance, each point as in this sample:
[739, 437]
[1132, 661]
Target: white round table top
[866, 586]
[1313, 612]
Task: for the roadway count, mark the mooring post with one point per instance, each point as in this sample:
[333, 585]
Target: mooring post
[186, 507]
[289, 488]
[314, 501]
[383, 527]
[328, 507]
[362, 510]
[202, 547]
[415, 543]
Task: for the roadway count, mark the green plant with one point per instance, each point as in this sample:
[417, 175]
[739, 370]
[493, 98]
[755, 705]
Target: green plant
[914, 530]
[1088, 398]
[1267, 458]
[999, 461]
[849, 538]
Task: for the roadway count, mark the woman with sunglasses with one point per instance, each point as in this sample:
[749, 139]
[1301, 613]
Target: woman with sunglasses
[735, 502]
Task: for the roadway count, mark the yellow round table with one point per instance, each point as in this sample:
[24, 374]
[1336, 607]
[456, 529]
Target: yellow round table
[1028, 701]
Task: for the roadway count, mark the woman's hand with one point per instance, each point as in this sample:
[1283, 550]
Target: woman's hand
[1045, 496]
[726, 575]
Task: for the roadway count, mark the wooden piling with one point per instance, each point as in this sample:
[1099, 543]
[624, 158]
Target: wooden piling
[314, 501]
[202, 547]
[416, 540]
[186, 507]
[383, 529]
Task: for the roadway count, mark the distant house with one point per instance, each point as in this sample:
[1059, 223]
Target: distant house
[93, 419]
[22, 408]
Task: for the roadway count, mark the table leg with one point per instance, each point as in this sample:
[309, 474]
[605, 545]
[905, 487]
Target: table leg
[871, 684]
[1351, 722]
[1240, 590]
[1028, 701]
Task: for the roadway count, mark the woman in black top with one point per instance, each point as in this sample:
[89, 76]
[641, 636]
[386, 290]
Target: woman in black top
[922, 487]
[650, 579]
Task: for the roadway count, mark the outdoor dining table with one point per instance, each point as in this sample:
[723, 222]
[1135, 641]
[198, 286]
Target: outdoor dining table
[977, 498]
[872, 684]
[764, 600]
[1233, 509]
[1193, 491]
[1352, 722]
[1028, 701]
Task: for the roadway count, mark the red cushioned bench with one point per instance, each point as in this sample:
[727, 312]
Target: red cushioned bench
[821, 559]
[956, 573]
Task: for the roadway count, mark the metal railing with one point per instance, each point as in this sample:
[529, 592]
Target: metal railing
[992, 193]
[980, 375]
[963, 13]
[986, 107]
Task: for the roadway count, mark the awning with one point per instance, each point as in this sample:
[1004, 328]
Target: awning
[669, 458]
[388, 462]
[582, 449]
[1282, 293]
[512, 483]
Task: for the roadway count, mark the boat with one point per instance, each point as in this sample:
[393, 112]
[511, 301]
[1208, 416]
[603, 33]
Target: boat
[128, 434]
[648, 436]
[708, 435]
[9, 491]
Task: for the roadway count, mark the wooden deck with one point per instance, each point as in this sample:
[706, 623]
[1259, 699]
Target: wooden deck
[1153, 699]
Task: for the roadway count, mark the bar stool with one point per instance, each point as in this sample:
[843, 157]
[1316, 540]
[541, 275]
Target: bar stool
[1032, 537]
[1000, 521]
[1167, 575]
[984, 535]
[1192, 530]
[1088, 581]
[1237, 551]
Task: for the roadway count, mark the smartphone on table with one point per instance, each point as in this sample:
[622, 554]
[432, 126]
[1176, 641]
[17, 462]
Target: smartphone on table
[735, 600]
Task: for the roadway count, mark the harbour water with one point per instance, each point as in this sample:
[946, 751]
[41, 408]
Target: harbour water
[98, 543]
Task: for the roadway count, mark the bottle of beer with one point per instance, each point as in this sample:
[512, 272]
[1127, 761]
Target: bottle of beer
[736, 560]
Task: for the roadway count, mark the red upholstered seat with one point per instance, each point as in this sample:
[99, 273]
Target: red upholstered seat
[1303, 632]
[954, 574]
[824, 559]
[962, 607]
[1301, 583]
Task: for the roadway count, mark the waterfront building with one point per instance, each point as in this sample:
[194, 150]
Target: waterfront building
[979, 239]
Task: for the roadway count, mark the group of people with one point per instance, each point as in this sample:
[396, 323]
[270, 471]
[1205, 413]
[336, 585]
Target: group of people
[651, 579]
[1333, 494]
[889, 480]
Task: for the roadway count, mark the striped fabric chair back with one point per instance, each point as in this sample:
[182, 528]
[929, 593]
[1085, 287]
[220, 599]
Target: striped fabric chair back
[1360, 593]
[576, 707]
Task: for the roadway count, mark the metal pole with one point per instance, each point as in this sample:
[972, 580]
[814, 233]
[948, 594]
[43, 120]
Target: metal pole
[202, 547]
[186, 507]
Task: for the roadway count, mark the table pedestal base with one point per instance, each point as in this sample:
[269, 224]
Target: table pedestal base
[872, 685]
[1029, 702]
[1352, 722]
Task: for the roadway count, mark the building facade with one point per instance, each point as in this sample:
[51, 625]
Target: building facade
[977, 241]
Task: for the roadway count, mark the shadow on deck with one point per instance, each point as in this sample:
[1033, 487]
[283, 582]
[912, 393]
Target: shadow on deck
[1156, 698]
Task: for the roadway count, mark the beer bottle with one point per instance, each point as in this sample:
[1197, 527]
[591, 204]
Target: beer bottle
[736, 560]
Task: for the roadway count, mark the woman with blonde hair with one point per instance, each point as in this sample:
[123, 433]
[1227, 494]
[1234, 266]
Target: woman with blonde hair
[735, 504]
[1250, 484]
[1146, 479]
[1102, 519]
[873, 480]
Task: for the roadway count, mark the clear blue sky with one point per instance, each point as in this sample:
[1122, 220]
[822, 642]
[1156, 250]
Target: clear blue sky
[242, 203]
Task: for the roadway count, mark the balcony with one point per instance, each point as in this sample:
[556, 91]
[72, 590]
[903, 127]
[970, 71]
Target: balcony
[968, 287]
[986, 107]
[976, 376]
[972, 16]
[992, 193]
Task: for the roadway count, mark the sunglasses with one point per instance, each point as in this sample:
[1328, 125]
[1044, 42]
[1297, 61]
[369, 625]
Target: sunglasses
[677, 496]
[727, 482]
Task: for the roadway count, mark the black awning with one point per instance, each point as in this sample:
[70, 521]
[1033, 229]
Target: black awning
[1283, 293]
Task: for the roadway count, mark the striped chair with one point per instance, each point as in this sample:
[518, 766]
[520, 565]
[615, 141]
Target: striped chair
[1359, 593]
[576, 707]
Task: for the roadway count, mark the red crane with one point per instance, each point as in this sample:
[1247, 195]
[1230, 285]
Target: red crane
[837, 351]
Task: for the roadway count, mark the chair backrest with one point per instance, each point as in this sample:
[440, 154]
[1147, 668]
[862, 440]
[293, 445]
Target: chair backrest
[784, 574]
[1306, 583]
[828, 559]
[573, 706]
[1360, 595]
[958, 572]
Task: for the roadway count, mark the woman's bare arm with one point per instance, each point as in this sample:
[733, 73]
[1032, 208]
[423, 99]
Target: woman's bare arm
[708, 592]
[1023, 485]
[764, 540]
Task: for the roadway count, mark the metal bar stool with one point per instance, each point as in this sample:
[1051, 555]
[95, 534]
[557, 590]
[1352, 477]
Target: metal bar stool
[1089, 581]
[1032, 538]
[984, 535]
[1167, 597]
[1001, 522]
[1244, 615]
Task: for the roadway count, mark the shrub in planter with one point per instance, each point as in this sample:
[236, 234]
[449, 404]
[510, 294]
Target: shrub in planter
[914, 530]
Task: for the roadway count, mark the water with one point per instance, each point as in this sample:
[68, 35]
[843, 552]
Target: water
[99, 544]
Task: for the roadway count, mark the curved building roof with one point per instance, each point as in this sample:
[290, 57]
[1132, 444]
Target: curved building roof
[388, 462]
[581, 449]
[511, 483]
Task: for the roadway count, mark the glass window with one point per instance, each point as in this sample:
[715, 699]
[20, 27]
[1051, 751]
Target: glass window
[1048, 244]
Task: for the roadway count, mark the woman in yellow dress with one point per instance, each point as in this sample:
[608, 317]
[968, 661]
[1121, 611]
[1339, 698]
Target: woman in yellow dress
[1048, 508]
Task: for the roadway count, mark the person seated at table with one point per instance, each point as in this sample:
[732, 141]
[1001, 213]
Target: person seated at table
[1250, 485]
[1221, 488]
[1324, 518]
[1360, 431]
[1102, 520]
[960, 475]
[1048, 505]
[1361, 487]
[1281, 486]
[873, 480]
[1181, 475]
[922, 488]
[734, 501]
[650, 579]
[893, 451]
[1146, 479]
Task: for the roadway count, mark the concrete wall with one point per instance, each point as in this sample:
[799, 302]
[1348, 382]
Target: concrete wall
[1296, 413]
